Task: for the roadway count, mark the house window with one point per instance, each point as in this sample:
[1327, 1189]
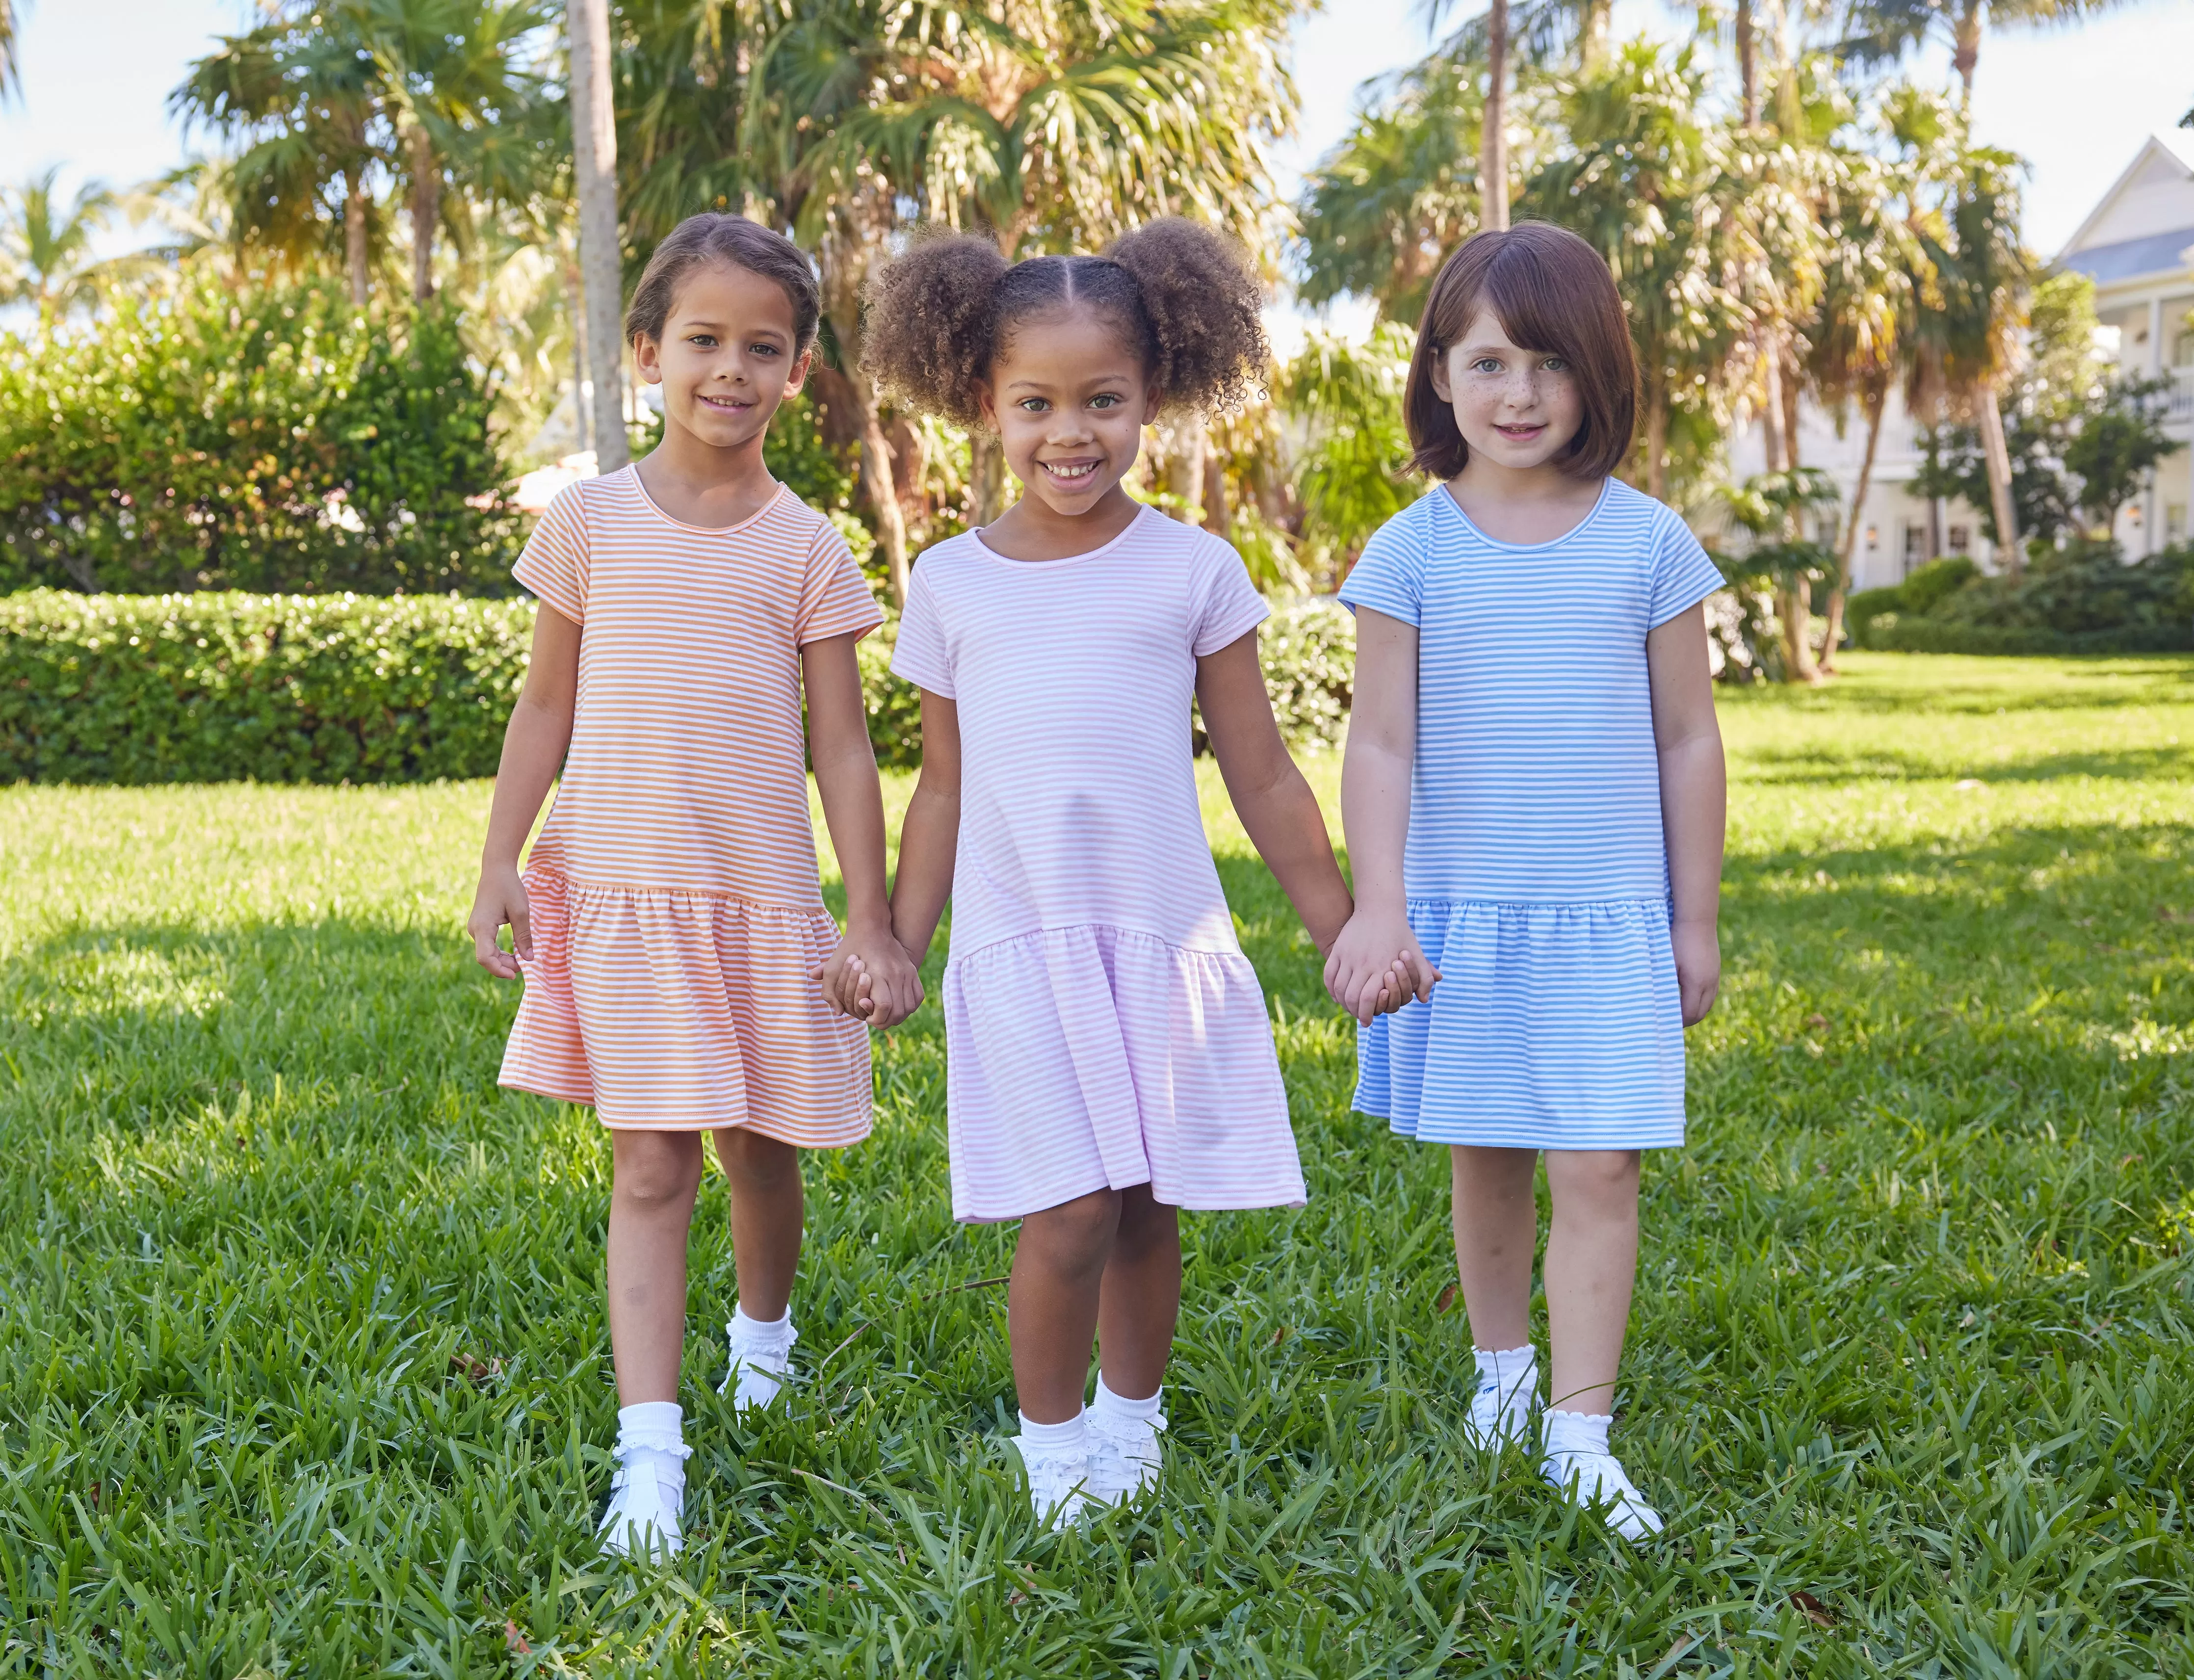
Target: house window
[1959, 539]
[2174, 522]
[1915, 545]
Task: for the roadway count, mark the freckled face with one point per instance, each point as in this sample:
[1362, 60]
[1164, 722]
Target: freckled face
[1516, 408]
[1070, 400]
[727, 358]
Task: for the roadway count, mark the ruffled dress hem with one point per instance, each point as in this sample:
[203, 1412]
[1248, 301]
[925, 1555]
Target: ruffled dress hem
[1554, 1026]
[1094, 1056]
[675, 1011]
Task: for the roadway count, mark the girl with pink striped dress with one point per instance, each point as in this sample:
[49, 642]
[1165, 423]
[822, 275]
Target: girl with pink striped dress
[1110, 1060]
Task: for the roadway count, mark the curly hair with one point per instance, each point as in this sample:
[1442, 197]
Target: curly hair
[1183, 298]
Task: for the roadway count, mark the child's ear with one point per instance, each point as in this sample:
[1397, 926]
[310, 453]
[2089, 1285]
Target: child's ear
[1152, 402]
[647, 357]
[800, 369]
[1442, 387]
[989, 408]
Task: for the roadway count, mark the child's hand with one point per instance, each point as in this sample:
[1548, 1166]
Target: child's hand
[1698, 967]
[871, 977]
[501, 898]
[1376, 966]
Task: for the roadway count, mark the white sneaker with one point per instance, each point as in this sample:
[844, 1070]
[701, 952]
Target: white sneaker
[1125, 1457]
[643, 1515]
[1058, 1484]
[756, 1374]
[1597, 1479]
[1501, 1418]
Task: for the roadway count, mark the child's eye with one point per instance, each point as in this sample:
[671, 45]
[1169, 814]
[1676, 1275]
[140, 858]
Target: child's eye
[707, 341]
[764, 349]
[1486, 365]
[1555, 365]
[1033, 404]
[1106, 400]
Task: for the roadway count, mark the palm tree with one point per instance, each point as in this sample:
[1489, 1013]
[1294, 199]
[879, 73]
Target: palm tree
[45, 249]
[11, 73]
[1771, 507]
[601, 265]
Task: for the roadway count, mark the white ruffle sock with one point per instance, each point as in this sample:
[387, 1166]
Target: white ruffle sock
[1125, 1454]
[1507, 1395]
[761, 1358]
[1578, 1463]
[1056, 1456]
[647, 1494]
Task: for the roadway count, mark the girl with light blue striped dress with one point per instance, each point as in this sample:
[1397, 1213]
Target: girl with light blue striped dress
[1533, 794]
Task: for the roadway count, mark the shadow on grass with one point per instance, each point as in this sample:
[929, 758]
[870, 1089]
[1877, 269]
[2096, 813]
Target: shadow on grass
[1985, 686]
[1784, 766]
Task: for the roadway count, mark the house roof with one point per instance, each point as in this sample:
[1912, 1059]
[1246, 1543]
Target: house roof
[2146, 218]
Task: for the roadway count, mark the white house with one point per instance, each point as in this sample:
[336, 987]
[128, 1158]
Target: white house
[2138, 243]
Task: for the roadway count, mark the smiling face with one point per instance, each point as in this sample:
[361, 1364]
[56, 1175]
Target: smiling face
[1517, 409]
[729, 354]
[1070, 399]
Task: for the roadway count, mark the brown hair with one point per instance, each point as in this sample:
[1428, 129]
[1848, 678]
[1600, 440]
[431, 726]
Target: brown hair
[716, 237]
[1552, 293]
[1181, 297]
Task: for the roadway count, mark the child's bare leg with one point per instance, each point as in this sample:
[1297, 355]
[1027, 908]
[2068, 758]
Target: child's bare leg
[768, 1208]
[1051, 1305]
[655, 1175]
[1139, 1301]
[1592, 1261]
[1496, 1228]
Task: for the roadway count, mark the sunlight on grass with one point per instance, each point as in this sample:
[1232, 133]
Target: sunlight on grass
[306, 1370]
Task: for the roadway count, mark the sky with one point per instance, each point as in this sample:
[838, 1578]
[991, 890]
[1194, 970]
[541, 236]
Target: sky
[2077, 102]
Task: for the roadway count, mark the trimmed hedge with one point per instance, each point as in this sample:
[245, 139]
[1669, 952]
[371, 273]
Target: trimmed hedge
[1916, 635]
[212, 687]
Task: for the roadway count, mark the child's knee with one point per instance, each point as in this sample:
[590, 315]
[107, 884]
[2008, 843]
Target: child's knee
[755, 1161]
[1599, 1177]
[1075, 1234]
[656, 1169]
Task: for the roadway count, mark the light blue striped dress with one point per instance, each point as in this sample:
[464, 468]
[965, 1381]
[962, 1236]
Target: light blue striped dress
[1537, 874]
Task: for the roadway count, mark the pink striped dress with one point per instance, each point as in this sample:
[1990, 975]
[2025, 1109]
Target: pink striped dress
[676, 913]
[1102, 1026]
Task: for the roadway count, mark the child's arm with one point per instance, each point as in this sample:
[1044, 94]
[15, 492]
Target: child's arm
[1377, 965]
[534, 742]
[1270, 795]
[929, 839]
[1694, 801]
[868, 975]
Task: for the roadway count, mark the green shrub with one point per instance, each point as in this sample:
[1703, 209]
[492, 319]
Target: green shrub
[1921, 592]
[1918, 635]
[225, 687]
[2086, 588]
[278, 439]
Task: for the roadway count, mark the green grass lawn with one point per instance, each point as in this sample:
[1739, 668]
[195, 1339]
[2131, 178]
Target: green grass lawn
[304, 1369]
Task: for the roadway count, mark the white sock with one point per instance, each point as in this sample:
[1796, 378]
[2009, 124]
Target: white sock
[1056, 1439]
[1577, 1432]
[1514, 1370]
[764, 1336]
[1120, 1409]
[652, 1435]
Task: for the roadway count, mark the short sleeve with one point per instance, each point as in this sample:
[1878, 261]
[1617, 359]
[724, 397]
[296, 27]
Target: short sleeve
[1389, 576]
[920, 655]
[554, 566]
[1232, 606]
[1683, 576]
[834, 599]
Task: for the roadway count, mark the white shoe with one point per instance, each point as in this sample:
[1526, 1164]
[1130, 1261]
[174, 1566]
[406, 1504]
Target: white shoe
[756, 1374]
[1058, 1485]
[643, 1515]
[1125, 1457]
[1501, 1418]
[1597, 1479]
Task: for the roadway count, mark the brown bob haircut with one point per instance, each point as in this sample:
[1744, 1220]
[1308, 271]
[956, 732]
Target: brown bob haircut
[713, 236]
[1552, 293]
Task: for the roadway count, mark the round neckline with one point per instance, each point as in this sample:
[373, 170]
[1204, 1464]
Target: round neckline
[1446, 494]
[1143, 511]
[675, 523]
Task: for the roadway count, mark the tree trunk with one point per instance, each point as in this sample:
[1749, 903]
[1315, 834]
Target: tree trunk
[1747, 63]
[1657, 438]
[426, 212]
[601, 261]
[582, 412]
[1184, 468]
[1218, 515]
[1493, 135]
[1797, 603]
[1770, 403]
[1998, 458]
[354, 235]
[1965, 51]
[1591, 34]
[1793, 390]
[1875, 402]
[986, 476]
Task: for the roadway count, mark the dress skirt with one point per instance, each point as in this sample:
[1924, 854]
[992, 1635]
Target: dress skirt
[675, 1011]
[1083, 1058]
[1554, 1026]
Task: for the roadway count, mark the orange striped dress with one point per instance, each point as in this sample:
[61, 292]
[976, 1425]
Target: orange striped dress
[676, 912]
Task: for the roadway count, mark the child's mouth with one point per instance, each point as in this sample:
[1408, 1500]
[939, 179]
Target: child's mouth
[726, 404]
[1070, 475]
[1521, 433]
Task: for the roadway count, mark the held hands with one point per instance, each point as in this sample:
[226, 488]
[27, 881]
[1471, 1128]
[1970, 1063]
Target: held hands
[871, 977]
[501, 900]
[1698, 967]
[1376, 966]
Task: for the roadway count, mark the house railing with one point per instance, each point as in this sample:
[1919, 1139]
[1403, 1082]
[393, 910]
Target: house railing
[2179, 400]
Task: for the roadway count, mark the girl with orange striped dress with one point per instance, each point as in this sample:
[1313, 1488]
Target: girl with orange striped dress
[667, 921]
